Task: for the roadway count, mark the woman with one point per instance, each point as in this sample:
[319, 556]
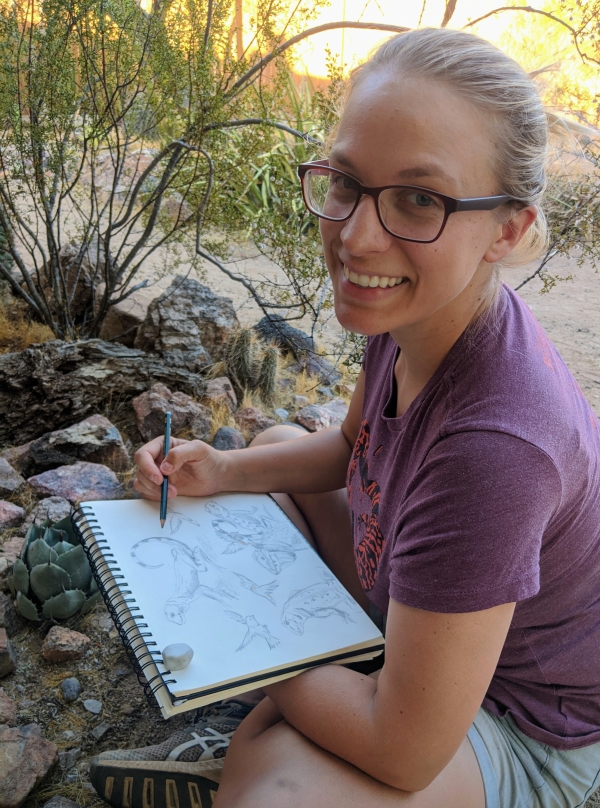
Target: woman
[472, 465]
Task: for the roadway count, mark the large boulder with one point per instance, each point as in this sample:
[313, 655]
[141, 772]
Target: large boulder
[273, 328]
[25, 759]
[77, 483]
[252, 421]
[48, 385]
[150, 409]
[94, 439]
[315, 417]
[186, 317]
[318, 366]
[52, 508]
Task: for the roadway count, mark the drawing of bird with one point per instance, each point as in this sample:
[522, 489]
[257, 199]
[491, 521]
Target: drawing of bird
[255, 629]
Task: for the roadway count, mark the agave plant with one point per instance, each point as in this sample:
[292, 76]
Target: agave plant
[53, 574]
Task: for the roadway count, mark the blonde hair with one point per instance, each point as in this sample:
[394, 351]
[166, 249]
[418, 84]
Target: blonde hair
[493, 82]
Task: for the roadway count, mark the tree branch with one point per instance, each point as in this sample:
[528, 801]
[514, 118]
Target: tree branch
[257, 122]
[448, 12]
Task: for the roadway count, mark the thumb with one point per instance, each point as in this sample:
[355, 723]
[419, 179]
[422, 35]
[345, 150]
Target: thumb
[188, 452]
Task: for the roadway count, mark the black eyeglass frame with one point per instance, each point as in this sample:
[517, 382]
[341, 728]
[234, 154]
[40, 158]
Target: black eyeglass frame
[451, 204]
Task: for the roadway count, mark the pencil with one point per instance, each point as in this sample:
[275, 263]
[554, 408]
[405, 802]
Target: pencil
[164, 489]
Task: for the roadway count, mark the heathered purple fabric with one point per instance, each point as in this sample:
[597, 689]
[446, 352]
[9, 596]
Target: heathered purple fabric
[487, 491]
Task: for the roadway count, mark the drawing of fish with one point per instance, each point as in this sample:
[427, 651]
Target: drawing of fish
[255, 629]
[318, 600]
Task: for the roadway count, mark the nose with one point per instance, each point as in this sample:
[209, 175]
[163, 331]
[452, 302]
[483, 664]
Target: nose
[363, 232]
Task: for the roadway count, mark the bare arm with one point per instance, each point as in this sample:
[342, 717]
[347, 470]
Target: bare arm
[406, 726]
[314, 463]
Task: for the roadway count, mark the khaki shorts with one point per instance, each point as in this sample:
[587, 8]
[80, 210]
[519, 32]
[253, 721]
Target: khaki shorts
[519, 772]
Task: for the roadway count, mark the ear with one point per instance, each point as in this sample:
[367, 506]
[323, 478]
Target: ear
[511, 233]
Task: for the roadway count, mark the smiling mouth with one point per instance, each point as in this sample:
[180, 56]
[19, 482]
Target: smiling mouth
[372, 281]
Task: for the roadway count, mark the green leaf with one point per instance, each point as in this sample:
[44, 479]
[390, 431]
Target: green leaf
[92, 601]
[34, 532]
[76, 564]
[52, 536]
[64, 605]
[40, 553]
[68, 532]
[62, 547]
[20, 577]
[26, 607]
[48, 580]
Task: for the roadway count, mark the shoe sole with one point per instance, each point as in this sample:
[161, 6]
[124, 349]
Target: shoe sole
[153, 784]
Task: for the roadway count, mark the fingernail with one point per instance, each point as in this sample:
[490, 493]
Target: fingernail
[166, 468]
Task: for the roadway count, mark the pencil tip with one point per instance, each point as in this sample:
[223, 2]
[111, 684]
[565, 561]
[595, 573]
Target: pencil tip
[162, 522]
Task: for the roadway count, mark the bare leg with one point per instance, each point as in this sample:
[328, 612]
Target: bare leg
[271, 765]
[324, 519]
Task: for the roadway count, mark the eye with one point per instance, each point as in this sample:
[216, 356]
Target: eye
[423, 200]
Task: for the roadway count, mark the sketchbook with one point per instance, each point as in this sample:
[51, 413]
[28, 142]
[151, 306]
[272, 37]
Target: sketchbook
[228, 575]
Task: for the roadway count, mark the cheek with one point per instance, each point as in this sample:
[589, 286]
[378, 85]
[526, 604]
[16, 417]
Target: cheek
[330, 232]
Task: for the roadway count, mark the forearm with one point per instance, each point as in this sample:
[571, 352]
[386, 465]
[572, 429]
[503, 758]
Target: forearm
[310, 464]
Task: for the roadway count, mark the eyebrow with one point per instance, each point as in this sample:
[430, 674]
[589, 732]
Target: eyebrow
[425, 170]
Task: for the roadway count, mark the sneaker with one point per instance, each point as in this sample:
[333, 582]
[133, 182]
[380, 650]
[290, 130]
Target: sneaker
[181, 772]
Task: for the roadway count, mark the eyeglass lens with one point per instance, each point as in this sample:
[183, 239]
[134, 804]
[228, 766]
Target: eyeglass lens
[406, 212]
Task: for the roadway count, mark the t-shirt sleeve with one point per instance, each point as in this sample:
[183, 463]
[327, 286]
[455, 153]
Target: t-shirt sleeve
[470, 530]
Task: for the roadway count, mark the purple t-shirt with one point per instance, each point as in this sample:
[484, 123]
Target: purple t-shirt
[487, 491]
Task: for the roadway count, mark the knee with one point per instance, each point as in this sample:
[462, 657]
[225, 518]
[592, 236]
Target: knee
[278, 434]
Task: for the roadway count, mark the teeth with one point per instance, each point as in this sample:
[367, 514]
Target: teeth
[371, 281]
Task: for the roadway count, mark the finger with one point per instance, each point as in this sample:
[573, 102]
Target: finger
[151, 482]
[190, 451]
[147, 492]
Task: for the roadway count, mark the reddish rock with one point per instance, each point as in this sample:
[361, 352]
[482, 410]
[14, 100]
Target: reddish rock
[11, 549]
[151, 406]
[53, 508]
[220, 392]
[25, 759]
[252, 421]
[78, 482]
[10, 480]
[94, 439]
[10, 619]
[17, 456]
[8, 660]
[10, 515]
[315, 417]
[8, 710]
[62, 644]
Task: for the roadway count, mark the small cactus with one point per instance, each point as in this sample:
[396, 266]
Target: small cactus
[53, 574]
[252, 366]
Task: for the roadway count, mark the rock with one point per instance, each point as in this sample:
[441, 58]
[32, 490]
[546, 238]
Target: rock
[220, 391]
[9, 617]
[94, 439]
[93, 706]
[8, 710]
[25, 759]
[100, 731]
[8, 660]
[226, 438]
[319, 366]
[327, 392]
[60, 801]
[252, 421]
[53, 508]
[10, 480]
[315, 417]
[71, 688]
[177, 656]
[26, 704]
[282, 414]
[78, 482]
[66, 761]
[17, 456]
[10, 515]
[123, 320]
[127, 709]
[62, 644]
[196, 360]
[175, 207]
[11, 549]
[275, 329]
[150, 409]
[301, 401]
[43, 386]
[188, 316]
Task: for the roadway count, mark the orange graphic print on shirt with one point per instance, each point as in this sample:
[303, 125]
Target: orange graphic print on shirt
[364, 497]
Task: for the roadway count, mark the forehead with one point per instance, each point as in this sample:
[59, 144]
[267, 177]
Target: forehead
[419, 131]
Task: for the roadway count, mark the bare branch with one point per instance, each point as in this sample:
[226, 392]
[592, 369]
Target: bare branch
[448, 12]
[259, 121]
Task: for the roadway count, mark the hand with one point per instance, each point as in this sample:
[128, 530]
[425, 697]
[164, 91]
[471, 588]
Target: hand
[194, 469]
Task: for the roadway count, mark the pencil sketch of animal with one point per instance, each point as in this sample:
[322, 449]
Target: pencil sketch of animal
[187, 565]
[323, 599]
[254, 629]
[275, 543]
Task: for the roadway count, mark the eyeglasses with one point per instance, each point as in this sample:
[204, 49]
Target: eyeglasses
[408, 212]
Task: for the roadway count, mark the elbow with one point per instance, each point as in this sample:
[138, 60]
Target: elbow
[404, 775]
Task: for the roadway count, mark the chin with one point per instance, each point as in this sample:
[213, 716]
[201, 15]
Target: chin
[359, 322]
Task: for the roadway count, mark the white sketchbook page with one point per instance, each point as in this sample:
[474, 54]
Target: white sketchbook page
[232, 577]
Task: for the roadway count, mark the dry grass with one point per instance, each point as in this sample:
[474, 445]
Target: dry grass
[17, 330]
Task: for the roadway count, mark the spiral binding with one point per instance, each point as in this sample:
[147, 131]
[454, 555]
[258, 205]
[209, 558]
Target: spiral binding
[138, 645]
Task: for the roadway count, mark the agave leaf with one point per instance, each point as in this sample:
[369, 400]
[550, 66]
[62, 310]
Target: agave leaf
[40, 553]
[52, 536]
[91, 602]
[62, 547]
[76, 564]
[93, 587]
[48, 580]
[34, 532]
[67, 528]
[26, 607]
[64, 605]
[20, 577]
